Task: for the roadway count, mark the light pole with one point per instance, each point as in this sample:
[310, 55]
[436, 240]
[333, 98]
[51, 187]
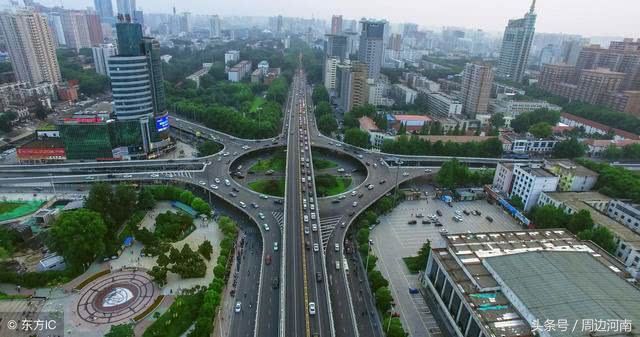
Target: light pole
[53, 186]
[366, 269]
[390, 318]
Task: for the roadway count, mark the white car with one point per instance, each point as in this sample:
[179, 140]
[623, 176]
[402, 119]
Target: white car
[337, 247]
[202, 183]
[275, 246]
[261, 216]
[405, 174]
[227, 182]
[238, 307]
[312, 308]
[306, 230]
[266, 227]
[314, 227]
[215, 187]
[316, 247]
[154, 175]
[353, 193]
[243, 205]
[355, 203]
[128, 176]
[217, 180]
[306, 218]
[262, 196]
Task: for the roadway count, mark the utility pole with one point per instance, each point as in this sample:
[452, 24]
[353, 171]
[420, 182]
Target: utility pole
[398, 163]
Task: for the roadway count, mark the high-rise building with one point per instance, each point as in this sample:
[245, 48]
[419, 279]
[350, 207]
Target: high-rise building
[76, 30]
[353, 85]
[95, 28]
[622, 56]
[185, 22]
[126, 7]
[104, 8]
[476, 88]
[570, 51]
[371, 49]
[336, 46]
[336, 24]
[215, 30]
[395, 42]
[55, 24]
[593, 84]
[101, 54]
[330, 68]
[279, 25]
[137, 84]
[516, 44]
[31, 47]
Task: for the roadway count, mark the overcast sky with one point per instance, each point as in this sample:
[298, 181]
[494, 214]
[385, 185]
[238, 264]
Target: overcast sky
[584, 17]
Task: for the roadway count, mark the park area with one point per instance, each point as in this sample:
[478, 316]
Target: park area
[274, 187]
[328, 185]
[15, 209]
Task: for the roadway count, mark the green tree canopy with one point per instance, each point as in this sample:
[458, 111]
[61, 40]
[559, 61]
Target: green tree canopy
[357, 137]
[541, 130]
[78, 236]
[570, 148]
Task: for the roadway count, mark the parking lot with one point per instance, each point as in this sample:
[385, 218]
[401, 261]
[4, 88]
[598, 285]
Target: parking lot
[394, 239]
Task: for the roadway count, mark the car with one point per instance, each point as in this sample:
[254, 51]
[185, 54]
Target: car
[343, 224]
[275, 246]
[227, 182]
[307, 245]
[370, 187]
[336, 247]
[233, 194]
[412, 222]
[354, 204]
[314, 227]
[457, 218]
[419, 215]
[278, 201]
[427, 170]
[243, 205]
[352, 213]
[490, 219]
[275, 282]
[316, 247]
[353, 193]
[128, 176]
[267, 259]
[154, 175]
[439, 213]
[437, 224]
[263, 196]
[235, 189]
[342, 197]
[382, 181]
[458, 212]
[261, 216]
[306, 218]
[466, 212]
[405, 174]
[266, 227]
[238, 307]
[254, 205]
[312, 308]
[337, 265]
[313, 215]
[306, 230]
[360, 195]
[426, 222]
[217, 180]
[215, 187]
[335, 201]
[319, 277]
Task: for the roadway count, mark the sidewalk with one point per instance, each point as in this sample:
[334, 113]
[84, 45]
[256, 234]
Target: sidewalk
[222, 323]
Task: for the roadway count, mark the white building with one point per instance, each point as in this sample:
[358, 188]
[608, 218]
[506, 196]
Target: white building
[239, 71]
[626, 213]
[441, 104]
[263, 66]
[503, 178]
[402, 93]
[508, 106]
[330, 73]
[377, 91]
[101, 56]
[232, 56]
[527, 144]
[529, 182]
[573, 177]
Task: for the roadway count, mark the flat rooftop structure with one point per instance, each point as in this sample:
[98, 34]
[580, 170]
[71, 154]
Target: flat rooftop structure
[537, 171]
[578, 169]
[478, 265]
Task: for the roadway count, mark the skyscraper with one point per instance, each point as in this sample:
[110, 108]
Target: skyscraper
[126, 7]
[95, 28]
[516, 44]
[185, 22]
[101, 54]
[336, 24]
[104, 9]
[215, 30]
[336, 46]
[371, 49]
[31, 47]
[477, 79]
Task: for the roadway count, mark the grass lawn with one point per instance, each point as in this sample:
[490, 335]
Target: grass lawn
[328, 185]
[269, 186]
[321, 164]
[8, 206]
[257, 102]
[278, 163]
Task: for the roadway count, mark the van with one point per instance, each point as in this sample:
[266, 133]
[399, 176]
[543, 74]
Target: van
[337, 265]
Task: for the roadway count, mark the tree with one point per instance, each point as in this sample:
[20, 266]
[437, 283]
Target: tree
[320, 94]
[78, 236]
[612, 152]
[377, 280]
[383, 299]
[124, 201]
[580, 221]
[120, 330]
[327, 124]
[146, 201]
[201, 206]
[159, 275]
[322, 108]
[357, 137]
[6, 120]
[516, 201]
[497, 120]
[570, 148]
[205, 249]
[208, 148]
[453, 174]
[549, 217]
[524, 121]
[172, 226]
[541, 130]
[101, 200]
[601, 236]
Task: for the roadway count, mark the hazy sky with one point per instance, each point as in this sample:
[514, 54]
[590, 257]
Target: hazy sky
[585, 17]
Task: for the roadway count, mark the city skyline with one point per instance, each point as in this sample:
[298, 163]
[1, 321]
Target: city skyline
[570, 17]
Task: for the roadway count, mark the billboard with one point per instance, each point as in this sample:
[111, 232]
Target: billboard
[162, 123]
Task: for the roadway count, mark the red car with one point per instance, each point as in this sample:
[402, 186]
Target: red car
[267, 259]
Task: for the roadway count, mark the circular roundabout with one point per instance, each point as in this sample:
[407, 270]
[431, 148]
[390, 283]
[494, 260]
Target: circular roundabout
[116, 297]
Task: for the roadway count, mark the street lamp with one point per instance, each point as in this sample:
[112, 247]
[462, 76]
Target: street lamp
[390, 318]
[366, 269]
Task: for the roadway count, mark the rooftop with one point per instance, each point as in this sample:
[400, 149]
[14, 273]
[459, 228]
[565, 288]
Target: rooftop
[570, 285]
[404, 118]
[577, 169]
[367, 124]
[536, 171]
[456, 139]
[596, 125]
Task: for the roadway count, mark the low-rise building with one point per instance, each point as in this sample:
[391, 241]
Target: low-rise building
[403, 94]
[509, 284]
[503, 178]
[441, 104]
[231, 56]
[529, 181]
[201, 72]
[595, 147]
[508, 105]
[592, 127]
[238, 72]
[45, 150]
[412, 123]
[627, 213]
[516, 143]
[573, 177]
[627, 241]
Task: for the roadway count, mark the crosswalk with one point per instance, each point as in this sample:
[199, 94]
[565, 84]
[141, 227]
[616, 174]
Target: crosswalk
[326, 226]
[426, 316]
[279, 216]
[179, 174]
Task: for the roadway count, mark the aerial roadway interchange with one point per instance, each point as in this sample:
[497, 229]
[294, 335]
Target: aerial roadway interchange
[281, 304]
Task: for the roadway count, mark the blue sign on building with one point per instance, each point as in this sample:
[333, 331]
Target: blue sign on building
[162, 123]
